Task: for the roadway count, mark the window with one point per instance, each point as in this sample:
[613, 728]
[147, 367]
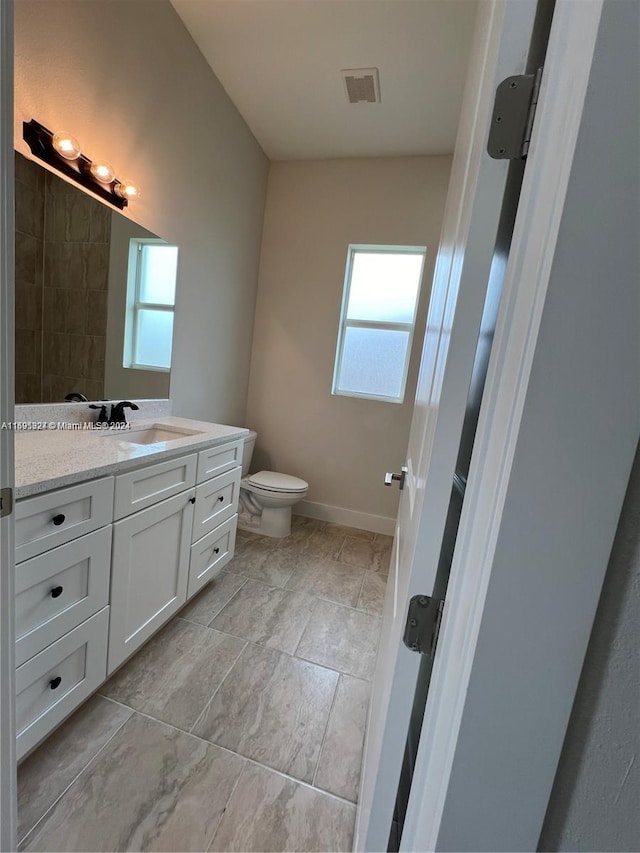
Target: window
[381, 291]
[151, 294]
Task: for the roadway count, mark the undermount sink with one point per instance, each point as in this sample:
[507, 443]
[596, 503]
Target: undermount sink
[153, 435]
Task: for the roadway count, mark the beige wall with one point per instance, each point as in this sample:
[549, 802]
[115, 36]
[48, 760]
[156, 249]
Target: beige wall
[340, 445]
[145, 99]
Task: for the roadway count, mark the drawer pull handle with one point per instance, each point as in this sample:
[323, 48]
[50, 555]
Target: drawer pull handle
[58, 519]
[192, 500]
[56, 592]
[221, 498]
[55, 682]
[216, 550]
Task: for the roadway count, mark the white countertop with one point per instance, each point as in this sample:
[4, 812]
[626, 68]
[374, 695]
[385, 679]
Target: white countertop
[51, 458]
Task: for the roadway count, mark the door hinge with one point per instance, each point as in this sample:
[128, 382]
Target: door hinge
[6, 502]
[423, 624]
[513, 115]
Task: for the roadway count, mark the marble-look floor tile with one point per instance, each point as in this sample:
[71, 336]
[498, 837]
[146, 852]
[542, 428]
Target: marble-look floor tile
[341, 756]
[256, 538]
[327, 542]
[300, 521]
[374, 554]
[45, 774]
[173, 677]
[272, 708]
[151, 788]
[268, 813]
[216, 595]
[342, 639]
[282, 562]
[372, 594]
[301, 526]
[342, 530]
[318, 539]
[266, 615]
[327, 578]
[261, 561]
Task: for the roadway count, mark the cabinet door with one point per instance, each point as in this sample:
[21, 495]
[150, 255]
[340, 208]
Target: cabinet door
[54, 682]
[144, 487]
[216, 501]
[46, 521]
[210, 554]
[58, 590]
[149, 575]
[218, 459]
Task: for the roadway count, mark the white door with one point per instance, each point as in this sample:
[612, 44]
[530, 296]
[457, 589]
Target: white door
[465, 257]
[7, 663]
[150, 572]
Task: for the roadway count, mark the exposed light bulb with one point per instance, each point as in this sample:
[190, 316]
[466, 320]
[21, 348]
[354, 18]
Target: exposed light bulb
[66, 145]
[127, 189]
[102, 172]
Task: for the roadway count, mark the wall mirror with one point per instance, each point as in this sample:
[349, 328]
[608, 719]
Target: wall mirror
[95, 296]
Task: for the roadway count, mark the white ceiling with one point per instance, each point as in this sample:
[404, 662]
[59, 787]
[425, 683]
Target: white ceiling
[280, 62]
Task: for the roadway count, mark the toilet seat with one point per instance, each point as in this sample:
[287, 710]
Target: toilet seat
[275, 483]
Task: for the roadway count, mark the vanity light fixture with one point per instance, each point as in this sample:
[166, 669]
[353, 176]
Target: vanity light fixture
[102, 172]
[66, 145]
[127, 189]
[62, 152]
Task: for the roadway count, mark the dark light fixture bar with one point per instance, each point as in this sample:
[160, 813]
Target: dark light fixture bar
[76, 165]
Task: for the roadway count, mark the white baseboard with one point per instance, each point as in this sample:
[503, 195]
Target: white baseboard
[348, 517]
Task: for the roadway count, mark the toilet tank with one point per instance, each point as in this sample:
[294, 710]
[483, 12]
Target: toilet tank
[247, 451]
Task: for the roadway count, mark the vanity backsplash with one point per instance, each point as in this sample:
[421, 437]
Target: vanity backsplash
[77, 413]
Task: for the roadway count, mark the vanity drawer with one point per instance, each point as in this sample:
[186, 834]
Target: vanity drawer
[216, 501]
[216, 460]
[60, 589]
[139, 489]
[79, 661]
[210, 554]
[46, 521]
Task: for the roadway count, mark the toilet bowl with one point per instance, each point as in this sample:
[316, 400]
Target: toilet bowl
[266, 498]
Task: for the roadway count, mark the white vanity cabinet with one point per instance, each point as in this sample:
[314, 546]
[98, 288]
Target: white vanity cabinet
[102, 565]
[216, 512]
[63, 560]
[210, 554]
[59, 589]
[146, 486]
[47, 520]
[150, 572]
[163, 554]
[58, 679]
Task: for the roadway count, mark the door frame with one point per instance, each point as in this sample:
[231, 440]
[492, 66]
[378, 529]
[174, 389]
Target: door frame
[8, 786]
[568, 64]
[500, 47]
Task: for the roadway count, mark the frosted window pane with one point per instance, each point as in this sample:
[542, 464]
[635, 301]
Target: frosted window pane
[154, 338]
[384, 286]
[373, 362]
[158, 274]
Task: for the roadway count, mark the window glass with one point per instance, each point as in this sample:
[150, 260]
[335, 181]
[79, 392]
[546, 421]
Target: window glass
[384, 286]
[158, 266]
[373, 361]
[380, 300]
[151, 290]
[154, 337]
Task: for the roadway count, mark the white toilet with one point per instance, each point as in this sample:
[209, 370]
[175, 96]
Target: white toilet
[266, 498]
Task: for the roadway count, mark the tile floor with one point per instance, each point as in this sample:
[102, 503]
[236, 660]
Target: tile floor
[240, 726]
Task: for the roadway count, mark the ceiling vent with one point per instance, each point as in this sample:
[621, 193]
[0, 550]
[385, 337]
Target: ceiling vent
[362, 85]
